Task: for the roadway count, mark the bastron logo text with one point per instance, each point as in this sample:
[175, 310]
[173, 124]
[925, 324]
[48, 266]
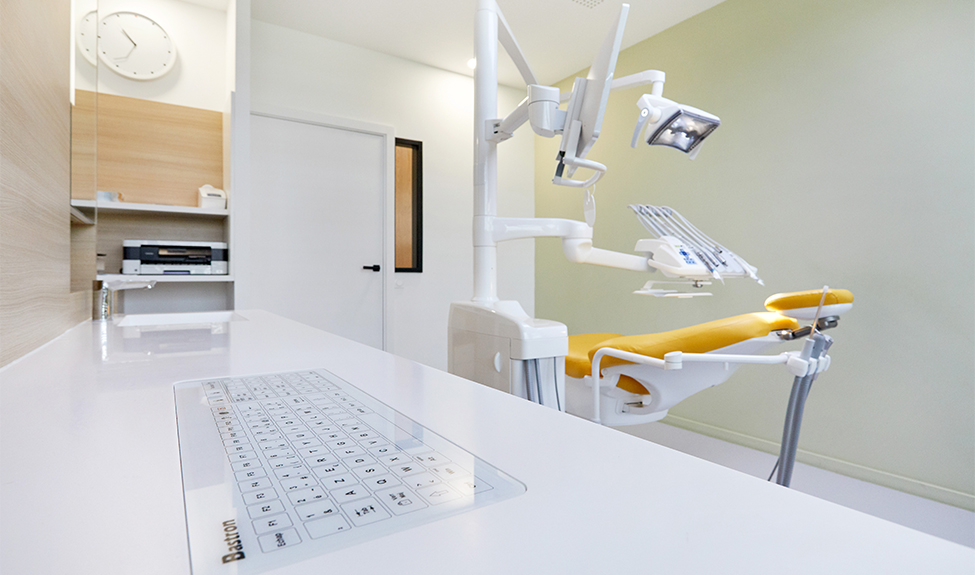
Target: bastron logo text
[232, 539]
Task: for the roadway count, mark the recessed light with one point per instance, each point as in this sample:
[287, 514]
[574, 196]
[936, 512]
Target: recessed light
[472, 63]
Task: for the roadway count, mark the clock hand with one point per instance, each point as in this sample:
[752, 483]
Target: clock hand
[129, 37]
[127, 54]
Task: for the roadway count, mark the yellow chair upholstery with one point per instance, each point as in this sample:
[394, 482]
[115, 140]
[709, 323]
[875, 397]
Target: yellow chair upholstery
[700, 338]
[809, 298]
[577, 363]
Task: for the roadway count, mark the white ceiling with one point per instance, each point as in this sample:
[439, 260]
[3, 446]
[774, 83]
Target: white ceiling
[558, 37]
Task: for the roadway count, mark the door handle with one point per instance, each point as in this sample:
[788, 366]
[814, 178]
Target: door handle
[374, 267]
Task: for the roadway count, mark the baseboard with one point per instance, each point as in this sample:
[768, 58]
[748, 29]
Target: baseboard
[876, 476]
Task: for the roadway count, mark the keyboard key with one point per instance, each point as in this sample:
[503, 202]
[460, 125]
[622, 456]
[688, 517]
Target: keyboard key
[313, 451]
[431, 458]
[252, 484]
[316, 509]
[260, 496]
[236, 457]
[340, 444]
[349, 493]
[381, 482]
[263, 509]
[437, 494]
[271, 523]
[450, 472]
[358, 461]
[365, 511]
[242, 465]
[383, 450]
[303, 496]
[277, 452]
[399, 458]
[400, 501]
[367, 471]
[291, 472]
[407, 469]
[287, 461]
[278, 540]
[420, 480]
[339, 480]
[296, 483]
[349, 451]
[326, 471]
[325, 459]
[470, 485]
[250, 474]
[326, 526]
[306, 443]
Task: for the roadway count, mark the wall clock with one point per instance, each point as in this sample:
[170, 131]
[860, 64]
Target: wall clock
[134, 46]
[85, 37]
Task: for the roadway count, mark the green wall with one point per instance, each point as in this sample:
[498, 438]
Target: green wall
[845, 157]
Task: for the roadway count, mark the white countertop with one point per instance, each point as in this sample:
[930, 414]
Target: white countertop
[90, 476]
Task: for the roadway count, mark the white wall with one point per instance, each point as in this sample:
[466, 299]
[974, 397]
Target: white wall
[199, 79]
[300, 71]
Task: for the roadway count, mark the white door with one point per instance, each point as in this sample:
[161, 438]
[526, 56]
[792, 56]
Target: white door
[316, 222]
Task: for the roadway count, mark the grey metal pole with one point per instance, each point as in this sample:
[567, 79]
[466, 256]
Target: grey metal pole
[813, 348]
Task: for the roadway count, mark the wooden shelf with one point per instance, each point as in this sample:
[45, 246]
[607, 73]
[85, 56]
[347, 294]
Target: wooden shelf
[80, 218]
[166, 278]
[120, 207]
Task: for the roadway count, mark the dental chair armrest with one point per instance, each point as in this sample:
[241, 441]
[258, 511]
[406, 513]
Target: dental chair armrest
[675, 359]
[626, 355]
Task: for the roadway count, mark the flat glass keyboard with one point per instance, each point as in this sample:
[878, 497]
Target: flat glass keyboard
[279, 468]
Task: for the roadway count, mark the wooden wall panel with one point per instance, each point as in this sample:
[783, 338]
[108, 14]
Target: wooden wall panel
[83, 146]
[83, 262]
[36, 303]
[155, 153]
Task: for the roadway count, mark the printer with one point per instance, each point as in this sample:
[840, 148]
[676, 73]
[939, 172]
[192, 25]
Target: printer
[163, 257]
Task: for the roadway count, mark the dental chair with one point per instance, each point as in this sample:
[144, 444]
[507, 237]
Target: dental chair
[637, 379]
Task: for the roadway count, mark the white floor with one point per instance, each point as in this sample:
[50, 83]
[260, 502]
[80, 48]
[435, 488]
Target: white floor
[924, 515]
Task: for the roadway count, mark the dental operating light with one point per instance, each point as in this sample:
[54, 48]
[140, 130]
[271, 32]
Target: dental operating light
[671, 124]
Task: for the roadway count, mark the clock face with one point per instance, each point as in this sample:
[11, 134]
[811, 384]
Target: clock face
[134, 46]
[86, 36]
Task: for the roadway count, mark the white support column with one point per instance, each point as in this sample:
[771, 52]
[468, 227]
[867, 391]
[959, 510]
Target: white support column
[485, 152]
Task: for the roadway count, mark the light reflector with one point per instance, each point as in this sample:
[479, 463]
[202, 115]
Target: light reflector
[684, 130]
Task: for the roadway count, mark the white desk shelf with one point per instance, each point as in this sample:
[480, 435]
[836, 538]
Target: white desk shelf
[121, 207]
[167, 278]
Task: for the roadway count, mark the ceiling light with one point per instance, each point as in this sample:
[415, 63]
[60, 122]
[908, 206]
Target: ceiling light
[472, 63]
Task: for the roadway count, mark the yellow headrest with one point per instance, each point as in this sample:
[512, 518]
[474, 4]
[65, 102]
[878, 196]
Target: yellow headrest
[809, 298]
